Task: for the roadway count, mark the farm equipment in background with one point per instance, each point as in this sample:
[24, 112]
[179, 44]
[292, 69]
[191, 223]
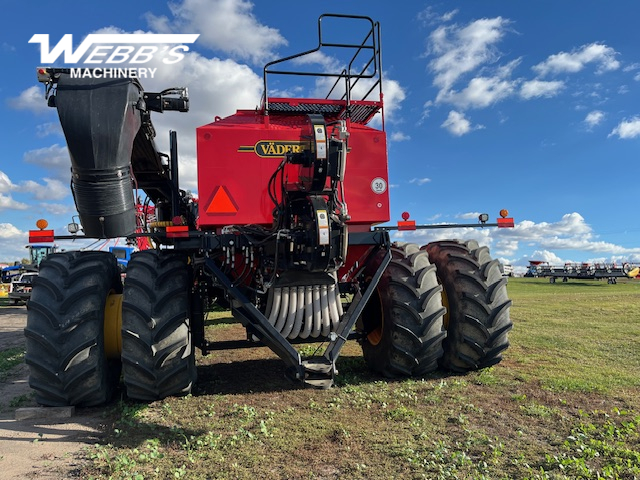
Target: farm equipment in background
[282, 235]
[17, 278]
[20, 291]
[123, 255]
[583, 271]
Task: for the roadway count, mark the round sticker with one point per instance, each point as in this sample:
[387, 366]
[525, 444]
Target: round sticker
[379, 185]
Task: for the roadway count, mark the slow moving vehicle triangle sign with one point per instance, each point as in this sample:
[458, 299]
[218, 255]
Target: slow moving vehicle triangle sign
[222, 203]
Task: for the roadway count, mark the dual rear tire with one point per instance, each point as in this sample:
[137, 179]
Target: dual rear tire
[444, 304]
[475, 293]
[65, 338]
[157, 352]
[68, 359]
[403, 321]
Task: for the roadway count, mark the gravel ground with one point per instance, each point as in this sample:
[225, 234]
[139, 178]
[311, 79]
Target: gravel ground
[42, 448]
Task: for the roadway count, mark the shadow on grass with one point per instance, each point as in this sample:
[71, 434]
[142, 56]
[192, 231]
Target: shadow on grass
[269, 375]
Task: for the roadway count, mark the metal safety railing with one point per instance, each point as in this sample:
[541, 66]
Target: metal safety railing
[364, 63]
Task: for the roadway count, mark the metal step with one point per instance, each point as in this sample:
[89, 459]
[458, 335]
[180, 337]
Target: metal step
[318, 372]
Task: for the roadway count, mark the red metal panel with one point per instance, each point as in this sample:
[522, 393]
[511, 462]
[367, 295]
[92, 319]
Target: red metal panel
[366, 181]
[36, 236]
[240, 153]
[505, 223]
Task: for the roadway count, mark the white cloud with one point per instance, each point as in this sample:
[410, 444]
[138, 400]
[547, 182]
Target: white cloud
[225, 25]
[426, 110]
[447, 16]
[481, 92]
[570, 233]
[399, 137]
[52, 189]
[430, 17]
[50, 128]
[601, 55]
[547, 256]
[31, 99]
[460, 50]
[394, 95]
[6, 185]
[627, 128]
[468, 215]
[420, 181]
[505, 248]
[8, 203]
[58, 209]
[8, 230]
[12, 242]
[326, 62]
[594, 118]
[54, 158]
[540, 88]
[458, 125]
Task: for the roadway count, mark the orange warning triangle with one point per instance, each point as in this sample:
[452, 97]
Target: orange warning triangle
[222, 202]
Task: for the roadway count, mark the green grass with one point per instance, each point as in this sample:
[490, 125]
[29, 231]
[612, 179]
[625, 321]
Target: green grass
[10, 358]
[563, 404]
[582, 336]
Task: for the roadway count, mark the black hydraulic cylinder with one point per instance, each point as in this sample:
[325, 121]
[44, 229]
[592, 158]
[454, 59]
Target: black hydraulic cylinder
[100, 120]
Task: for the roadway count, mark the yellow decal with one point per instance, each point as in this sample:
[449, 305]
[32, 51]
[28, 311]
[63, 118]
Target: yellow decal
[275, 148]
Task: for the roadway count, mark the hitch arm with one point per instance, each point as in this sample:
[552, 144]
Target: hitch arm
[355, 310]
[249, 315]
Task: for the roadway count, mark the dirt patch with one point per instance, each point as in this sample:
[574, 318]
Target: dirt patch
[37, 448]
[12, 322]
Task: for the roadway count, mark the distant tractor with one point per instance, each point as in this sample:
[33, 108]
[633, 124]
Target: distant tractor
[282, 235]
[37, 253]
[21, 288]
[123, 255]
[17, 279]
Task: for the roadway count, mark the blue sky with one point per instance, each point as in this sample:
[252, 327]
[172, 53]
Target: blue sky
[529, 106]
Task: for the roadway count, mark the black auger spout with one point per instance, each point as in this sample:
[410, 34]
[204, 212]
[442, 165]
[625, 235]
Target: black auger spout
[100, 120]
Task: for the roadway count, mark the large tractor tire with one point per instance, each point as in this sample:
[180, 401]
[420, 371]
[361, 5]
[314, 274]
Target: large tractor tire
[475, 296]
[65, 329]
[157, 351]
[403, 320]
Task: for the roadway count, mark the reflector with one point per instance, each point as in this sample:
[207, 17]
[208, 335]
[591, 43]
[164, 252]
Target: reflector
[222, 202]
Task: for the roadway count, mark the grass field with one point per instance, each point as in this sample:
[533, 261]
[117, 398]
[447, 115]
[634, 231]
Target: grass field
[564, 403]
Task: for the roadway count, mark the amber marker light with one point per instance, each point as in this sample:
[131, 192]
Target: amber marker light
[42, 224]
